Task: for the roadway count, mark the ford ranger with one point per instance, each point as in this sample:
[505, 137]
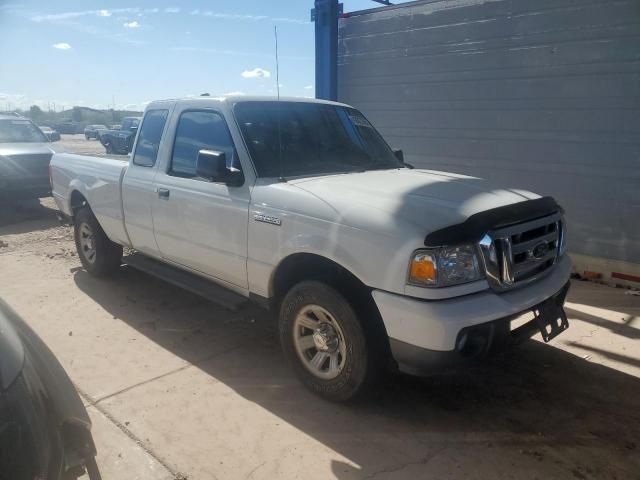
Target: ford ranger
[300, 205]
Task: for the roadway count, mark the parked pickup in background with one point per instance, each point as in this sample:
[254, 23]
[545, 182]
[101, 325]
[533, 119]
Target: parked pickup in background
[301, 206]
[120, 141]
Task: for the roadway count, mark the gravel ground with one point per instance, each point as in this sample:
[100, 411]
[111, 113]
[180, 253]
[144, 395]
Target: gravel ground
[79, 144]
[181, 388]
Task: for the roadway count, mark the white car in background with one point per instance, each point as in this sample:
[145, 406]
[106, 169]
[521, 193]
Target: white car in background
[25, 152]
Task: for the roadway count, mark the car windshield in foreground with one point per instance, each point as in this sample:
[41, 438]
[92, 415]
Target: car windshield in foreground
[19, 131]
[300, 139]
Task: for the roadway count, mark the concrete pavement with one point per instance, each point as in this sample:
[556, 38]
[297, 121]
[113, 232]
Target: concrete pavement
[181, 388]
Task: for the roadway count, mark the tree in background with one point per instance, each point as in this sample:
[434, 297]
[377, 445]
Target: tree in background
[76, 114]
[35, 113]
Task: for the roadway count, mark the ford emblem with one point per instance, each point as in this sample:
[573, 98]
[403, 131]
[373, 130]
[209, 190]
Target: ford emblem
[540, 250]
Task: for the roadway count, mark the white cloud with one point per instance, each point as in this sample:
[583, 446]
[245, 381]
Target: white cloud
[133, 24]
[61, 46]
[216, 51]
[239, 16]
[308, 87]
[134, 10]
[11, 98]
[252, 53]
[19, 101]
[231, 94]
[138, 107]
[256, 73]
[69, 15]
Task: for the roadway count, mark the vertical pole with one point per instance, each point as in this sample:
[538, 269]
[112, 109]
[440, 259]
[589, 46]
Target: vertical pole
[326, 19]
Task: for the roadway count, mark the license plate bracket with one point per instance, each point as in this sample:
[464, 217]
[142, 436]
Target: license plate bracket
[550, 319]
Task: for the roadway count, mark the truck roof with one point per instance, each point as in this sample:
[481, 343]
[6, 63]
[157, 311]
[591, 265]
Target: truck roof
[243, 98]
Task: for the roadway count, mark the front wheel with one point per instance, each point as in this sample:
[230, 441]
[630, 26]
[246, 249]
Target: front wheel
[99, 255]
[324, 342]
[108, 147]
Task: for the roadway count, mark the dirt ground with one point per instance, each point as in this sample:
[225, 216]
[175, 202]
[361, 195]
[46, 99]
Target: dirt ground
[180, 388]
[78, 144]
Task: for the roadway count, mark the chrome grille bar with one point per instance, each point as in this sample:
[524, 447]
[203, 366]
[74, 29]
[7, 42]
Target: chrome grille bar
[521, 253]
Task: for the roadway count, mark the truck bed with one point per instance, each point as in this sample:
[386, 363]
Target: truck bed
[98, 180]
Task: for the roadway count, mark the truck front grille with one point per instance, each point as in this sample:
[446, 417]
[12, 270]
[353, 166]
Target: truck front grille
[516, 255]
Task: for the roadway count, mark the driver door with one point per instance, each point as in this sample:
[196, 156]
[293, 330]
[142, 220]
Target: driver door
[199, 224]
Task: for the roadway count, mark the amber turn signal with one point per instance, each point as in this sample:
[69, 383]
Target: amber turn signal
[423, 269]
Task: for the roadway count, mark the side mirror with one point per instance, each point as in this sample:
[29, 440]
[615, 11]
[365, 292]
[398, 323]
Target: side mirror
[212, 165]
[400, 156]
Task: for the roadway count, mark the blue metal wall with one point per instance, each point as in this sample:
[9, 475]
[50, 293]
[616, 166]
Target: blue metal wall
[535, 94]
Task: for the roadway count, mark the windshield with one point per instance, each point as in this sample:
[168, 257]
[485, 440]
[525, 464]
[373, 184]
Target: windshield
[128, 123]
[311, 139]
[19, 131]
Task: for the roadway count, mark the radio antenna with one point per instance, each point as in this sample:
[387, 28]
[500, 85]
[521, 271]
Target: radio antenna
[275, 33]
[278, 109]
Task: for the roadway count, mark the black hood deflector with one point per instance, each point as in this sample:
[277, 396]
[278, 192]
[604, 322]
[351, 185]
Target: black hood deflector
[474, 227]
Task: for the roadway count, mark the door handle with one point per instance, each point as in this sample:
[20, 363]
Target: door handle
[163, 193]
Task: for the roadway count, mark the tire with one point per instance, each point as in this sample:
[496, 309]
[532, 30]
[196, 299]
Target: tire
[99, 255]
[350, 365]
[87, 137]
[108, 147]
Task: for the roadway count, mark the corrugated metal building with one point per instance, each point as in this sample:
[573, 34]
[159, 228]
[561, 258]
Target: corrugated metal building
[535, 94]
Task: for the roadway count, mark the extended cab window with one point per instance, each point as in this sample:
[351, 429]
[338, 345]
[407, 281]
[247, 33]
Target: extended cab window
[149, 139]
[200, 130]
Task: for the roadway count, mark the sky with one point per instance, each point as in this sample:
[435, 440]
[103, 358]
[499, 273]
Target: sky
[128, 53]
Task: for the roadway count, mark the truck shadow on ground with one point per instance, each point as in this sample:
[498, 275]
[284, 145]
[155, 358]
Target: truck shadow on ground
[534, 406]
[22, 216]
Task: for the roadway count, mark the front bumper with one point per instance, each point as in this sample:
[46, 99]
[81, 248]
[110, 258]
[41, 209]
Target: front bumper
[425, 335]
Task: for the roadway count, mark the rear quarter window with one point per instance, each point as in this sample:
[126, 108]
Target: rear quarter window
[148, 144]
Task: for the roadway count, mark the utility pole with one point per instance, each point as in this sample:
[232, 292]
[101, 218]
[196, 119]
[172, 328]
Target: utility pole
[325, 15]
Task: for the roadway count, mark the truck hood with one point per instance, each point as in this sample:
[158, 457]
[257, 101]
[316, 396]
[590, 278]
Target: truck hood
[424, 199]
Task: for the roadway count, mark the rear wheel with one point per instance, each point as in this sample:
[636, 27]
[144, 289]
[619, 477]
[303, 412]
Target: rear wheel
[99, 255]
[108, 147]
[324, 342]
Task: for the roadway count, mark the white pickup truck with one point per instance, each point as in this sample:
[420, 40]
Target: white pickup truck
[301, 206]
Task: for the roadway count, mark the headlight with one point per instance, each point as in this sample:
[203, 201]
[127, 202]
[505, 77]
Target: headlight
[444, 266]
